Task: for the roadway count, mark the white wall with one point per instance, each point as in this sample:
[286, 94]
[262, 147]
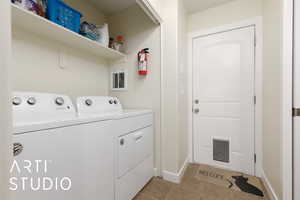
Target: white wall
[5, 106]
[37, 63]
[272, 158]
[36, 67]
[182, 84]
[170, 88]
[143, 91]
[228, 13]
[174, 88]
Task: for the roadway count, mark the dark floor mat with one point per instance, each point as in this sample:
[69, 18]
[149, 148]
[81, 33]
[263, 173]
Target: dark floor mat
[229, 179]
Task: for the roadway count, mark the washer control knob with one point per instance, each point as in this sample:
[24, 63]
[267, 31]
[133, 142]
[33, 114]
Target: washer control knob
[111, 101]
[88, 102]
[16, 101]
[115, 102]
[59, 101]
[31, 101]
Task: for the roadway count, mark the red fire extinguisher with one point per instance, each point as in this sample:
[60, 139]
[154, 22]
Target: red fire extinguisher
[143, 57]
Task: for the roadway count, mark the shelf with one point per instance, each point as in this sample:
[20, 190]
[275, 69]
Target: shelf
[33, 23]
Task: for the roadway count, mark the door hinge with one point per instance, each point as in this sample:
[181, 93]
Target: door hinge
[255, 158]
[254, 100]
[296, 112]
[255, 41]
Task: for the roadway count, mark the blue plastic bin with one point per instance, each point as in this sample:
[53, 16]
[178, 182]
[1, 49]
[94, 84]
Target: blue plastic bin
[62, 14]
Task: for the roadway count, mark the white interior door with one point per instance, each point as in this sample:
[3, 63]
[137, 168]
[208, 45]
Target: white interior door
[296, 119]
[223, 95]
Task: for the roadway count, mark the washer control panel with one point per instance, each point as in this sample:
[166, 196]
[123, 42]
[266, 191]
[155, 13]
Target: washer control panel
[36, 107]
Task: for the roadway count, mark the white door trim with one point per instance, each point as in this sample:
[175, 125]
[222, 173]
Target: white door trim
[162, 66]
[257, 23]
[5, 96]
[287, 99]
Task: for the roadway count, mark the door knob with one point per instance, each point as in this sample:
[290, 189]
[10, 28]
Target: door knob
[196, 110]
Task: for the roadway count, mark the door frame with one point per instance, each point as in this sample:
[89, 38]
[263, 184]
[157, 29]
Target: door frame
[5, 96]
[257, 23]
[287, 98]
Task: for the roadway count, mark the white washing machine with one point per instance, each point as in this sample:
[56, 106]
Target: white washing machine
[57, 155]
[133, 139]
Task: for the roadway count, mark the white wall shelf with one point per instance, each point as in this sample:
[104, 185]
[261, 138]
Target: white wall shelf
[38, 25]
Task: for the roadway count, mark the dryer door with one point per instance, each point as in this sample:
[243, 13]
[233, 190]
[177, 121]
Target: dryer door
[125, 156]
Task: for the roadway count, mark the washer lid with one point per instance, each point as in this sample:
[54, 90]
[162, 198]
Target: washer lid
[32, 108]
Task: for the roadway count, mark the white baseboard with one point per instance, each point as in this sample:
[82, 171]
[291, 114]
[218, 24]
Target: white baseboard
[156, 172]
[176, 177]
[258, 171]
[268, 186]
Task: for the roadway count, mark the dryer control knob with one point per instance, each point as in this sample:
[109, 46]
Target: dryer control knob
[31, 101]
[59, 101]
[115, 102]
[111, 101]
[88, 102]
[16, 101]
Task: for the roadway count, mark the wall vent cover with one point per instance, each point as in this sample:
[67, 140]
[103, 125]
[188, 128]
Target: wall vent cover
[221, 150]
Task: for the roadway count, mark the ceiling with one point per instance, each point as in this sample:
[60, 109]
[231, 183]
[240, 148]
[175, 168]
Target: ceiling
[193, 6]
[109, 7]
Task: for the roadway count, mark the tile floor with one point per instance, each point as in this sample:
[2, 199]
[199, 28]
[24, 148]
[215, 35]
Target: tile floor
[191, 188]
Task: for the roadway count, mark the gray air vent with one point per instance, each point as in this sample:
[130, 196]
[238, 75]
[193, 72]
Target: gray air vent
[221, 150]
